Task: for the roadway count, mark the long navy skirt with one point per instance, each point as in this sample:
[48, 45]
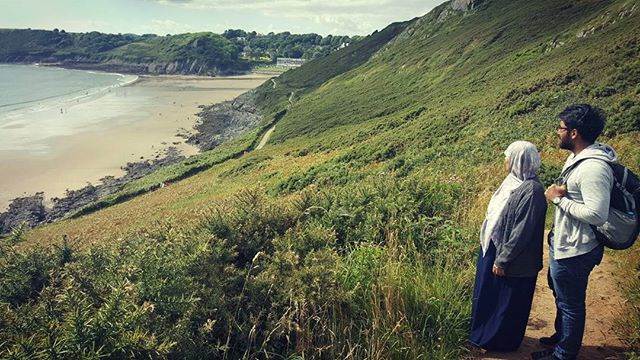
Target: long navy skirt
[501, 306]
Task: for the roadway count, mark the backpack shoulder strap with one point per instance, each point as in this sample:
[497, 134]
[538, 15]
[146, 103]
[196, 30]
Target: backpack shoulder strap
[562, 179]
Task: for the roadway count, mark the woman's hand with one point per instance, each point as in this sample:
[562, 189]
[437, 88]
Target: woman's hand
[498, 271]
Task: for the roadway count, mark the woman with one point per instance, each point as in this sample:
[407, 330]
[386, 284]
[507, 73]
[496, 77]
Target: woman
[511, 253]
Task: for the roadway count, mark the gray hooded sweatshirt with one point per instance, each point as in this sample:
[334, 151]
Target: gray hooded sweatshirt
[587, 202]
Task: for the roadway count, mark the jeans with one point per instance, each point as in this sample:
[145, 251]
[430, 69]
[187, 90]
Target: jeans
[568, 279]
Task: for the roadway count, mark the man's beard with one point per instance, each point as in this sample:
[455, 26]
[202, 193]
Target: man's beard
[566, 144]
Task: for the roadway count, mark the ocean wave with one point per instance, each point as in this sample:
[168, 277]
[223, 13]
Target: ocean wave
[13, 110]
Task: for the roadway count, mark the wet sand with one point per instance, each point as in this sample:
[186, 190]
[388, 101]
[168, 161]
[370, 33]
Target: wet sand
[94, 138]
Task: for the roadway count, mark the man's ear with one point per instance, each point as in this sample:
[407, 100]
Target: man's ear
[574, 134]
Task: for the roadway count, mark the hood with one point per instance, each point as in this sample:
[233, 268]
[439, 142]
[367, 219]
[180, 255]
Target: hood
[595, 151]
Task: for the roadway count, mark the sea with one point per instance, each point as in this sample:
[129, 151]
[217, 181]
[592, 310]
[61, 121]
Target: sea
[34, 100]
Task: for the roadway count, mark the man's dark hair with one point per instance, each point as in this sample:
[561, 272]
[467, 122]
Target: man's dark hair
[588, 120]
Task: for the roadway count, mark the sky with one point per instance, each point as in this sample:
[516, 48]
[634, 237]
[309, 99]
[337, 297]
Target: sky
[338, 17]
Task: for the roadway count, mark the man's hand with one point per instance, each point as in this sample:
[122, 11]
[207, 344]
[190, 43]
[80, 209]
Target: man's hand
[555, 191]
[498, 271]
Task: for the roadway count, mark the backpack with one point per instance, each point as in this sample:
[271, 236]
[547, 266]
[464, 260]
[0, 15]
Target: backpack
[621, 229]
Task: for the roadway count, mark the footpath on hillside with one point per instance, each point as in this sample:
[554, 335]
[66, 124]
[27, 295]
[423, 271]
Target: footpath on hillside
[267, 134]
[265, 138]
[604, 305]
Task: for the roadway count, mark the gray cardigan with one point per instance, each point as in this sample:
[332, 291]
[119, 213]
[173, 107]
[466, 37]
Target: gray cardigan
[520, 230]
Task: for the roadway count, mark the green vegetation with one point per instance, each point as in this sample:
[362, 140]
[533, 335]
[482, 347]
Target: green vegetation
[352, 234]
[204, 48]
[192, 53]
[270, 69]
[200, 53]
[271, 46]
[210, 292]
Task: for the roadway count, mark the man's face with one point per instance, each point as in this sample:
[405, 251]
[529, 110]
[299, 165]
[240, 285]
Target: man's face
[565, 140]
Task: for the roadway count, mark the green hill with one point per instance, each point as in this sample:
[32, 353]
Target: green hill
[194, 53]
[352, 234]
[201, 53]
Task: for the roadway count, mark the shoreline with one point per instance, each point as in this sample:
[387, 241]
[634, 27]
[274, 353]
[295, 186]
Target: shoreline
[178, 100]
[75, 95]
[124, 68]
[129, 68]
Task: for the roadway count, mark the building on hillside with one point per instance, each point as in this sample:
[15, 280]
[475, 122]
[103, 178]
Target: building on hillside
[290, 62]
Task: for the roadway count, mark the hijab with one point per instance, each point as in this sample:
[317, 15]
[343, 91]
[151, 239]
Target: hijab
[524, 161]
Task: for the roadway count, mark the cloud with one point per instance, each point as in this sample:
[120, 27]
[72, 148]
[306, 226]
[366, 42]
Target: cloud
[353, 16]
[166, 26]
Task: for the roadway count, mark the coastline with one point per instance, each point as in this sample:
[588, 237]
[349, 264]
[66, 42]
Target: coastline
[131, 132]
[149, 69]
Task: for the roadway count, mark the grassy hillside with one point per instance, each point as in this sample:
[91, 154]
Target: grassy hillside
[193, 53]
[202, 53]
[352, 234]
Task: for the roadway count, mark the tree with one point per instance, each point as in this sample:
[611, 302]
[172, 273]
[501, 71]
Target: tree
[234, 33]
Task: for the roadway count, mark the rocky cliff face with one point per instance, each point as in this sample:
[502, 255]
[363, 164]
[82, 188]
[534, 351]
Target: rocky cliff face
[465, 5]
[457, 6]
[224, 121]
[28, 210]
[155, 68]
[185, 67]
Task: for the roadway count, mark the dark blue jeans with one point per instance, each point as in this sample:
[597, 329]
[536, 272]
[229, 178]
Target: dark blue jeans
[568, 281]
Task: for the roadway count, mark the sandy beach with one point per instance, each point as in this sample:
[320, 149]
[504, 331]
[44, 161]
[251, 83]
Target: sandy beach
[126, 124]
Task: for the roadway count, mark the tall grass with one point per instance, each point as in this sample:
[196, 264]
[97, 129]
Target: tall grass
[629, 325]
[358, 271]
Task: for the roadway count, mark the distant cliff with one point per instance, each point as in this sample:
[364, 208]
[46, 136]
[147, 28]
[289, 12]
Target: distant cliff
[201, 53]
[195, 53]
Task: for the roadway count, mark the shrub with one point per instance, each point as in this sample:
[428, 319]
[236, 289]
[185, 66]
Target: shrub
[523, 107]
[625, 118]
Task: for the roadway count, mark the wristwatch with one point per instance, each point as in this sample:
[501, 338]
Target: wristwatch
[556, 200]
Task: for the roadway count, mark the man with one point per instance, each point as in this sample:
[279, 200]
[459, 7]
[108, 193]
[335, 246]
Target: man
[580, 202]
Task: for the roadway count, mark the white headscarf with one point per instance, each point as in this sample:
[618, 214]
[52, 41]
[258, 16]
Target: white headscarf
[524, 161]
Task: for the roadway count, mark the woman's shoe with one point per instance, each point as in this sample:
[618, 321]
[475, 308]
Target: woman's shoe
[550, 340]
[543, 355]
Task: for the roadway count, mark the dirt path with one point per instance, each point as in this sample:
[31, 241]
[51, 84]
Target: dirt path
[267, 134]
[265, 138]
[604, 302]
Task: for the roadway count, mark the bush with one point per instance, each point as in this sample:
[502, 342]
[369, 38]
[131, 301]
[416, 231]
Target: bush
[625, 118]
[313, 277]
[524, 107]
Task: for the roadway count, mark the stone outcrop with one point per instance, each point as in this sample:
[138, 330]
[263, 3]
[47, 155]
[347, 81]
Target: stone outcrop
[155, 68]
[185, 67]
[608, 19]
[465, 5]
[224, 121]
[457, 6]
[31, 210]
